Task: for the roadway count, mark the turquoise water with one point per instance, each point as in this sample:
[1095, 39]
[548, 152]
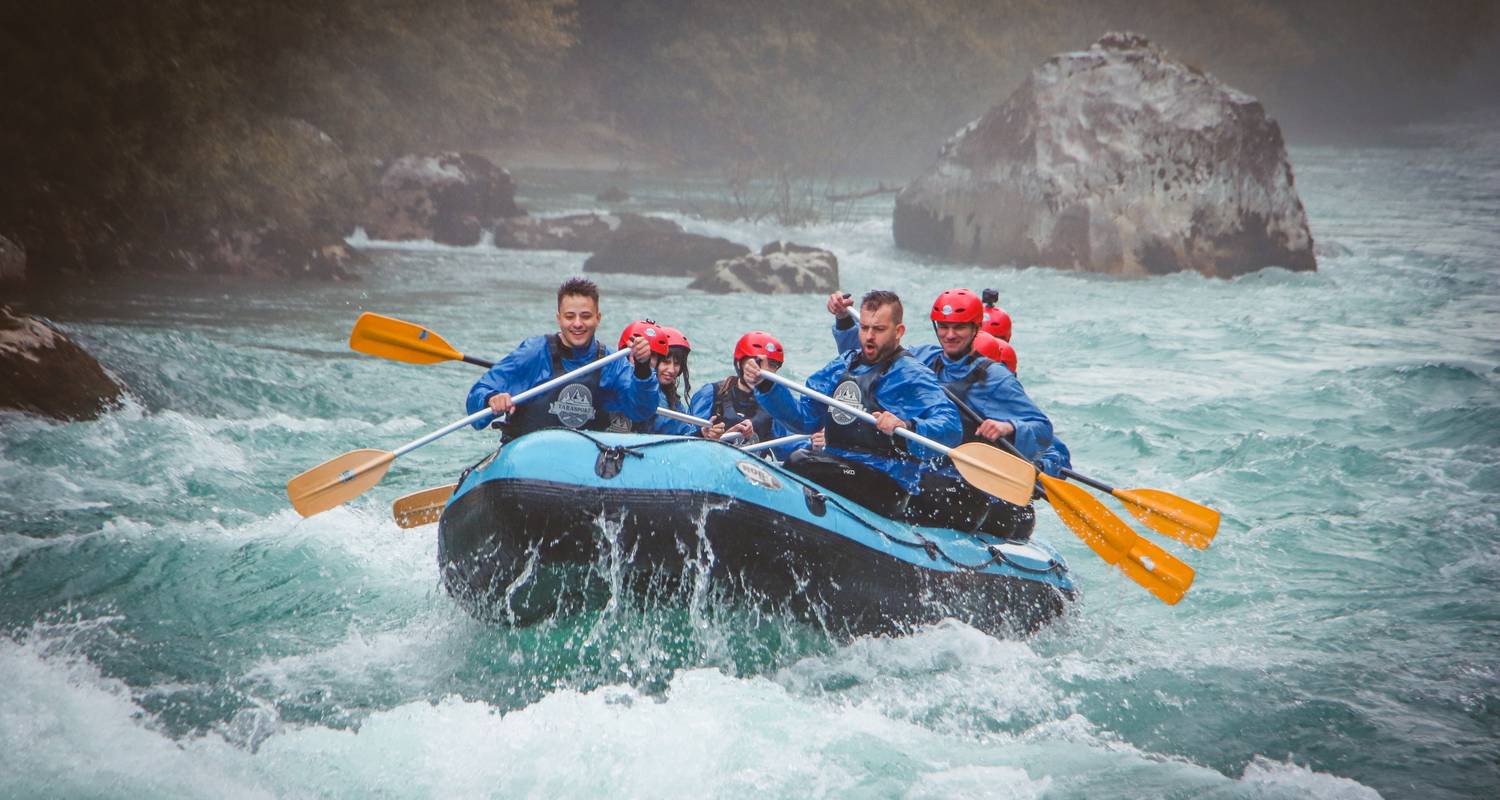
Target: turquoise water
[170, 627]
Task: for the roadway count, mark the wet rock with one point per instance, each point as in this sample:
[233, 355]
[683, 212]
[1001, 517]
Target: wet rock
[12, 262]
[1115, 159]
[657, 249]
[779, 268]
[579, 233]
[613, 194]
[449, 198]
[42, 371]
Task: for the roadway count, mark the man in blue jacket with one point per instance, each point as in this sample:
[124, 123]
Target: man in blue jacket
[583, 404]
[882, 378]
[1003, 410]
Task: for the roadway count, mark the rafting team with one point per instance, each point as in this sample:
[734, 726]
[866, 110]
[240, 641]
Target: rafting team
[962, 389]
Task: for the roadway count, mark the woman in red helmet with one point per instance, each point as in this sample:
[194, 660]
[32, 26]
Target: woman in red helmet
[669, 358]
[731, 403]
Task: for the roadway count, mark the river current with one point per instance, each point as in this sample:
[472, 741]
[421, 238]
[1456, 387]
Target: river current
[169, 627]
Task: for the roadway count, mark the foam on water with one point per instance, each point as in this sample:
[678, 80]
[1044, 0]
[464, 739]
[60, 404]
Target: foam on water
[168, 627]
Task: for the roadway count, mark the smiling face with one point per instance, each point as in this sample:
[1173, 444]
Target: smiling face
[577, 319]
[879, 333]
[956, 337]
[667, 369]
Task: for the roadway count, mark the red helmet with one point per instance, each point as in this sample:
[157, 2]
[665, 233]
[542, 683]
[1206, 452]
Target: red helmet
[676, 338]
[957, 305]
[647, 328]
[995, 350]
[759, 343]
[996, 323]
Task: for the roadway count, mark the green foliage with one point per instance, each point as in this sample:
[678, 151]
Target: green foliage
[139, 125]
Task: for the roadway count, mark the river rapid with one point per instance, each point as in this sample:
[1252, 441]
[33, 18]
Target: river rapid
[169, 627]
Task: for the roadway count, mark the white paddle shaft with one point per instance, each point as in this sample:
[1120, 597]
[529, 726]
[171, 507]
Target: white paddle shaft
[856, 411]
[540, 388]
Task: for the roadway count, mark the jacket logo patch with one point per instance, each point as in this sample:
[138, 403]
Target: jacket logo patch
[848, 392]
[574, 406]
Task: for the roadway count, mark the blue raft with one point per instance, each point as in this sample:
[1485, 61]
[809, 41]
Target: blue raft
[528, 527]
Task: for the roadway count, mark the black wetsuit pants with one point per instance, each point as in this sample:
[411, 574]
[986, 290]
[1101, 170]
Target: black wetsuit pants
[944, 502]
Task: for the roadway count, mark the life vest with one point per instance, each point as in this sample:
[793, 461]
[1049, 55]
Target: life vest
[732, 406]
[577, 404]
[962, 386]
[848, 432]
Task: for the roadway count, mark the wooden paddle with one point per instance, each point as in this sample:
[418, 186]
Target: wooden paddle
[1160, 572]
[422, 508]
[991, 471]
[1163, 512]
[399, 340]
[346, 477]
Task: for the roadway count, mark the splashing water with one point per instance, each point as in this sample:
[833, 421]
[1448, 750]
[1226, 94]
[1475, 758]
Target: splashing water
[169, 627]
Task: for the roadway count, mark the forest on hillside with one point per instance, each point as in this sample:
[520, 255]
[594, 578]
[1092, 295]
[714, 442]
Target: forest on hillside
[132, 126]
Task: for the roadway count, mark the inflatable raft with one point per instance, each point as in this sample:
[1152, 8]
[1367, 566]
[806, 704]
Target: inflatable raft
[557, 516]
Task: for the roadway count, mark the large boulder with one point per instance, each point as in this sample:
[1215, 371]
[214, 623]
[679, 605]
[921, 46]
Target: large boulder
[287, 218]
[42, 371]
[779, 268]
[450, 198]
[657, 249]
[12, 262]
[1115, 159]
[579, 233]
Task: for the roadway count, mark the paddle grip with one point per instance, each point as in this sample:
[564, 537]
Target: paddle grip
[477, 361]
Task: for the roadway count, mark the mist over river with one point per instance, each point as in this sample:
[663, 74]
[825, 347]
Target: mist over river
[169, 627]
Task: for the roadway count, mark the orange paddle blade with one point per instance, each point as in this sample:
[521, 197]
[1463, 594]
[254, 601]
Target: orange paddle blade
[995, 472]
[399, 340]
[337, 480]
[1161, 573]
[1170, 515]
[422, 508]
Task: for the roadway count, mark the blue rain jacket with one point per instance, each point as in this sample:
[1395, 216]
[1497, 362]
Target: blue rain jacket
[672, 426]
[529, 365]
[1055, 459]
[1001, 396]
[909, 390]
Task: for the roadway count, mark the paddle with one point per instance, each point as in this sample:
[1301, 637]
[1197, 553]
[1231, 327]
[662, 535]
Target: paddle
[422, 508]
[777, 442]
[399, 340]
[341, 479]
[1158, 571]
[1163, 512]
[987, 469]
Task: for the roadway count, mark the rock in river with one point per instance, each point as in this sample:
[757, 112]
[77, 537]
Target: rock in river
[1115, 159]
[42, 371]
[449, 198]
[661, 250]
[779, 268]
[580, 233]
